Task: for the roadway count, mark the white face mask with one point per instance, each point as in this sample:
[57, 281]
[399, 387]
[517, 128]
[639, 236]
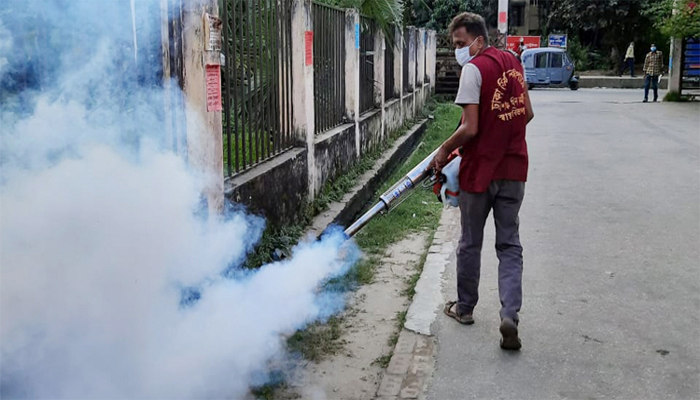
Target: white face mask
[463, 55]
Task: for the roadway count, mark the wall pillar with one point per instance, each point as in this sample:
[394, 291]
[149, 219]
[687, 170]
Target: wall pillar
[431, 50]
[674, 65]
[422, 38]
[303, 84]
[398, 68]
[379, 78]
[204, 125]
[352, 71]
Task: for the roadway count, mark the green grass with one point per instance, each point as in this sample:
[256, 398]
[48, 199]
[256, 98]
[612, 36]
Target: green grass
[318, 339]
[421, 211]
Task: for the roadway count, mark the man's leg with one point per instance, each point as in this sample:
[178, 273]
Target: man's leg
[625, 64]
[632, 67]
[506, 206]
[647, 80]
[474, 209]
[655, 86]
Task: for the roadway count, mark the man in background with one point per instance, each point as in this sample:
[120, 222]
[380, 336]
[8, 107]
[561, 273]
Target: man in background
[629, 61]
[495, 109]
[653, 64]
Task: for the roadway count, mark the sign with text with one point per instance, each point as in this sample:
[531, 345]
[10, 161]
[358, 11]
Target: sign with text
[213, 77]
[557, 41]
[212, 32]
[309, 47]
[529, 42]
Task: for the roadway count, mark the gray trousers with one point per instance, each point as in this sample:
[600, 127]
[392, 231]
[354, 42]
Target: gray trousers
[505, 198]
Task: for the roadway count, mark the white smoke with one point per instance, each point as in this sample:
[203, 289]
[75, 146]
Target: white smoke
[114, 283]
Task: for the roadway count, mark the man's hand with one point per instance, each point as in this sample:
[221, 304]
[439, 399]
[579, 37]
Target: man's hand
[440, 159]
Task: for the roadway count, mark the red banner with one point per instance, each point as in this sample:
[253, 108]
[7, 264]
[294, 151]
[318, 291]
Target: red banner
[309, 39]
[213, 77]
[530, 42]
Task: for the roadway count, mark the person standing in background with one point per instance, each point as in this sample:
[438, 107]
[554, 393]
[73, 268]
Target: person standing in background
[629, 61]
[653, 64]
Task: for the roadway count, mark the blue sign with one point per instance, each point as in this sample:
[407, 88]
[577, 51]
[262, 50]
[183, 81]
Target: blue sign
[357, 36]
[557, 41]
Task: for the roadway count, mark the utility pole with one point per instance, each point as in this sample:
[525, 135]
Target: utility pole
[502, 24]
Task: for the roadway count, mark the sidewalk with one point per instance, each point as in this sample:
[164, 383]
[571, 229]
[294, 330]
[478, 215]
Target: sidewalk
[617, 82]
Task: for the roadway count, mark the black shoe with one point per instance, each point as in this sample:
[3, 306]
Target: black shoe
[645, 101]
[654, 100]
[509, 331]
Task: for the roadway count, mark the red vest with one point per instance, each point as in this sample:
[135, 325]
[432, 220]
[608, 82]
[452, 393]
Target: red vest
[498, 151]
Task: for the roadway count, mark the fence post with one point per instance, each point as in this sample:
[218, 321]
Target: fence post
[398, 69]
[303, 83]
[203, 105]
[412, 47]
[352, 71]
[420, 79]
[432, 59]
[379, 78]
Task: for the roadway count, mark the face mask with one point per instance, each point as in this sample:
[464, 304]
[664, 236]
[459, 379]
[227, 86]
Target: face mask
[653, 49]
[463, 55]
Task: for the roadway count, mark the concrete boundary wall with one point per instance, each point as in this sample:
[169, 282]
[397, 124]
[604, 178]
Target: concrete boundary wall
[280, 188]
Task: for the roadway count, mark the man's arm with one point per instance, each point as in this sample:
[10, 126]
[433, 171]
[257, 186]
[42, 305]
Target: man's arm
[528, 106]
[646, 64]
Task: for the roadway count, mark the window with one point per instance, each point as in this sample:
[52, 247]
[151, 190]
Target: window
[541, 60]
[518, 16]
[555, 60]
[566, 59]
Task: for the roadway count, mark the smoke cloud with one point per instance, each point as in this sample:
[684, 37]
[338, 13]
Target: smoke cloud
[114, 281]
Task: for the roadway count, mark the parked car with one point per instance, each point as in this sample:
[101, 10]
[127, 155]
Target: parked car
[548, 67]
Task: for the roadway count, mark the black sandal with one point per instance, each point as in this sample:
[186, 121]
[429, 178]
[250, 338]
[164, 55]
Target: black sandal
[464, 319]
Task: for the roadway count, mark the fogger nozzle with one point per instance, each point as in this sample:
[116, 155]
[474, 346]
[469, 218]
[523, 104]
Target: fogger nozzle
[396, 193]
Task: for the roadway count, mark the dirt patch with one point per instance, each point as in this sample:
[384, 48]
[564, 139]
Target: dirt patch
[368, 325]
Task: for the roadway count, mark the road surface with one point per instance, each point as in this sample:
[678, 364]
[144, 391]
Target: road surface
[610, 227]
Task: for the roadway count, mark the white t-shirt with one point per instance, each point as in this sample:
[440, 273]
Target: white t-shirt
[469, 85]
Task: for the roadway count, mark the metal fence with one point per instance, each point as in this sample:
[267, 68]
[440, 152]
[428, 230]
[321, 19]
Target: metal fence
[389, 91]
[256, 81]
[329, 66]
[405, 40]
[367, 36]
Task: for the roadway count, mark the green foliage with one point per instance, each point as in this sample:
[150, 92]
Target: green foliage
[318, 340]
[386, 13]
[673, 96]
[445, 10]
[682, 22]
[605, 28]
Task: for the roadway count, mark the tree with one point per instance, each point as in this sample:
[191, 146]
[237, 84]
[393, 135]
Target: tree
[676, 18]
[605, 27]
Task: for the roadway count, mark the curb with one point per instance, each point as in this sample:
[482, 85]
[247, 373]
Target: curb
[354, 202]
[413, 361]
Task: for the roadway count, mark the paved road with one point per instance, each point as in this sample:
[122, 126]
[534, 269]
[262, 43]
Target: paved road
[611, 232]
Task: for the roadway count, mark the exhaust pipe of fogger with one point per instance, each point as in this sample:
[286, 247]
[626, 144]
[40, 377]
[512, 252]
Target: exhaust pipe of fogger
[395, 194]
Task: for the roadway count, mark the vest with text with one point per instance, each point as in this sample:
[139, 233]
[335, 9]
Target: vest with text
[499, 150]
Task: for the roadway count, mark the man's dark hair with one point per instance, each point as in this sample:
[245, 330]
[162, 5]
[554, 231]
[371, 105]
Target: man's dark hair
[473, 23]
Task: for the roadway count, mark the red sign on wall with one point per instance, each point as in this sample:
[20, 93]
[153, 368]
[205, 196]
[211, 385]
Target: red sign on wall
[213, 77]
[530, 42]
[309, 42]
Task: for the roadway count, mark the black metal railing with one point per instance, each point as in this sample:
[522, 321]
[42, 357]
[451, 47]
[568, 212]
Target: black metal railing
[329, 66]
[405, 41]
[367, 36]
[389, 91]
[256, 81]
